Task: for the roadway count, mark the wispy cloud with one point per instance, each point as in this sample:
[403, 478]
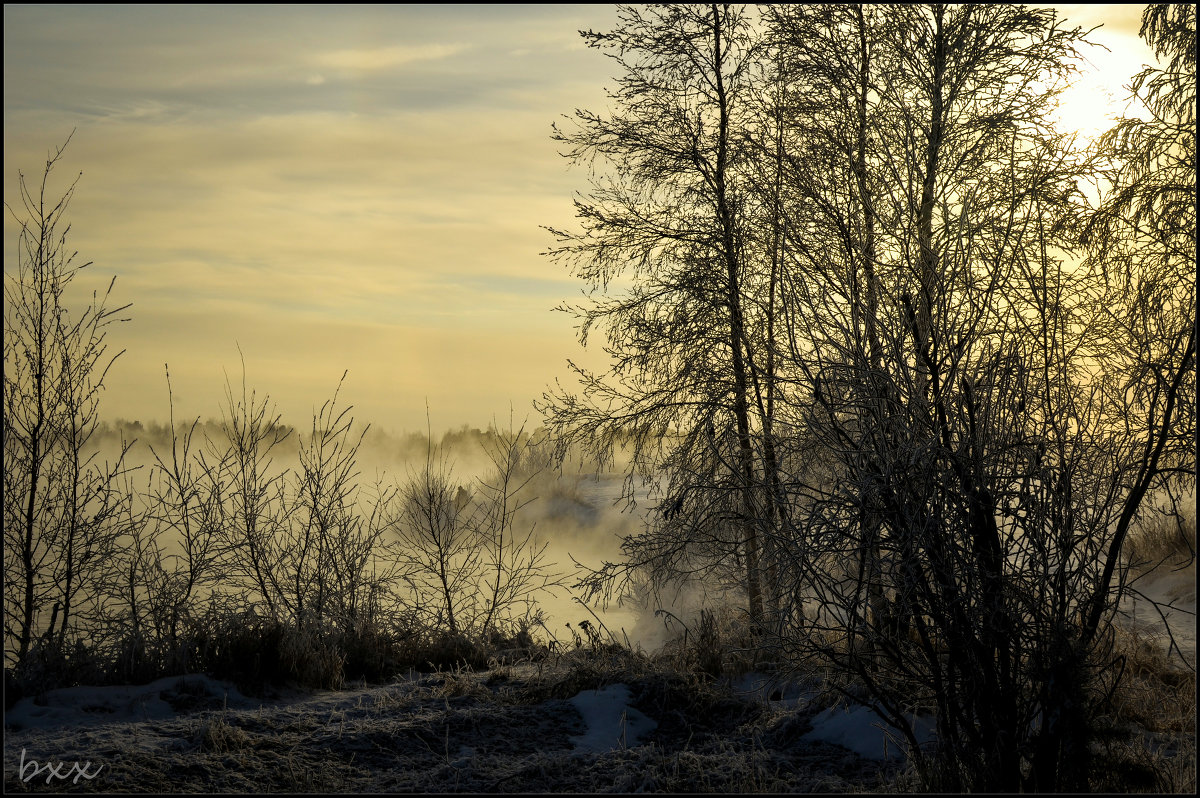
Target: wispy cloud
[285, 182]
[374, 59]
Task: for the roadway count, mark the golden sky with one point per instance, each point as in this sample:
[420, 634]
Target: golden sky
[333, 188]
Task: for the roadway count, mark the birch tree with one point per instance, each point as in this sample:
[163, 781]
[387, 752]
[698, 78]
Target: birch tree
[663, 250]
[948, 338]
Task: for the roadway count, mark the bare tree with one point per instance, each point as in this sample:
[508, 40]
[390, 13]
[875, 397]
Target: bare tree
[1142, 238]
[473, 567]
[61, 505]
[957, 556]
[668, 215]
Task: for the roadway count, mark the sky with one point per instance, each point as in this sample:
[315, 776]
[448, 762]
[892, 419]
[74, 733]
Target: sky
[316, 189]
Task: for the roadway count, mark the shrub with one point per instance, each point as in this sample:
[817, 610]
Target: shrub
[253, 652]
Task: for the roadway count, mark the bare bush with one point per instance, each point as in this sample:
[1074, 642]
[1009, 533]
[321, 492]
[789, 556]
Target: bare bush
[470, 565]
[179, 548]
[255, 503]
[437, 546]
[329, 569]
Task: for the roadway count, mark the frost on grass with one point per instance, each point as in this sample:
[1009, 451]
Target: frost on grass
[591, 721]
[512, 730]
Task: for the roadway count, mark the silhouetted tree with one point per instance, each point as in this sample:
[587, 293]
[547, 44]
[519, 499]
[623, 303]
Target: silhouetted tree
[664, 250]
[61, 504]
[965, 385]
[1142, 237]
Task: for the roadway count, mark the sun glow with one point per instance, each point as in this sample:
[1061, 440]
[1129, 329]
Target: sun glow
[1100, 95]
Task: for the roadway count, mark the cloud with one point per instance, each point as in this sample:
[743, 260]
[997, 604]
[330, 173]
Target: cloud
[374, 59]
[1120, 18]
[282, 182]
[403, 246]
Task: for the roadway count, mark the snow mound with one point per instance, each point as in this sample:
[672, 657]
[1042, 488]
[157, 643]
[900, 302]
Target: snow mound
[863, 732]
[90, 706]
[610, 722]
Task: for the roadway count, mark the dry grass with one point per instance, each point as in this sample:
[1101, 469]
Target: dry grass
[717, 643]
[215, 735]
[259, 654]
[469, 731]
[1151, 746]
[1162, 540]
[505, 696]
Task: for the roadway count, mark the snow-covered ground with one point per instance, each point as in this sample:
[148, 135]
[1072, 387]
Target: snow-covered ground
[855, 728]
[863, 732]
[95, 706]
[555, 726]
[609, 721]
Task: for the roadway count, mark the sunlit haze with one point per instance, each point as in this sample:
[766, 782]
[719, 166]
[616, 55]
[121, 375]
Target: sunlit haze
[1100, 92]
[335, 188]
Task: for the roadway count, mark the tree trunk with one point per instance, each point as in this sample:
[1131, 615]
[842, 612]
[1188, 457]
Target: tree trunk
[741, 405]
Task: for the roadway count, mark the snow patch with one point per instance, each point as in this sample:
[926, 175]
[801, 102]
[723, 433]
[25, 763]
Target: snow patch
[863, 732]
[610, 722]
[778, 693]
[1175, 591]
[89, 706]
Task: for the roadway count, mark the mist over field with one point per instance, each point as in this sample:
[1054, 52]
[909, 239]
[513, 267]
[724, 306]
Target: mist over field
[577, 508]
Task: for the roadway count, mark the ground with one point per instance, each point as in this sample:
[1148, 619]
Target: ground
[510, 729]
